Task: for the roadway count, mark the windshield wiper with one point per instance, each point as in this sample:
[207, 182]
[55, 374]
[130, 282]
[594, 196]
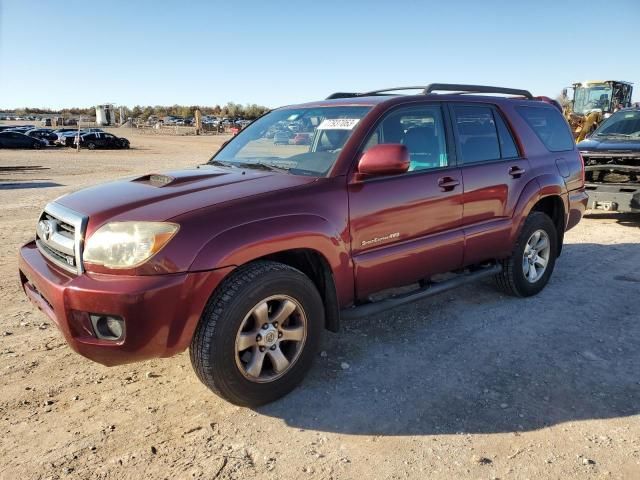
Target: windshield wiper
[624, 135]
[252, 165]
[218, 163]
[263, 166]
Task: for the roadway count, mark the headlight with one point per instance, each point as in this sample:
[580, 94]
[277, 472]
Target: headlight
[127, 244]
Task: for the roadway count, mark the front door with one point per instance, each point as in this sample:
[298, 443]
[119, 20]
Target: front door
[405, 228]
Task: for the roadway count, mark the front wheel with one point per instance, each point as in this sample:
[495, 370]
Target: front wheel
[91, 146]
[258, 334]
[528, 269]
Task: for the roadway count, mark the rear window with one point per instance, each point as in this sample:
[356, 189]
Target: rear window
[550, 127]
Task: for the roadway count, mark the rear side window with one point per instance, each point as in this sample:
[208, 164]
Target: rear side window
[477, 134]
[508, 147]
[549, 126]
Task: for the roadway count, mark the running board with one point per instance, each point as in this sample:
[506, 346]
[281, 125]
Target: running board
[374, 308]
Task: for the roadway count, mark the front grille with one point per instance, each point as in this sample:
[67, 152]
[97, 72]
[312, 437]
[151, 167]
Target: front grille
[59, 236]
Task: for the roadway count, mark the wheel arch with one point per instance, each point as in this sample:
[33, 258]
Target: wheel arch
[305, 242]
[553, 207]
[545, 194]
[315, 266]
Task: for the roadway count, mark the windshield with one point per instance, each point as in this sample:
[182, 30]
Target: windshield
[591, 98]
[302, 141]
[625, 123]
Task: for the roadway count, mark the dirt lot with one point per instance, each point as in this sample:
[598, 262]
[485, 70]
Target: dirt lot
[470, 384]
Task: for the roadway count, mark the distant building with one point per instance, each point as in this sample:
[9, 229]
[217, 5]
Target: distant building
[106, 115]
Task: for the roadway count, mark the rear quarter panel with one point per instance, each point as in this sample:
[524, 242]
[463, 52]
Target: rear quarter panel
[547, 179]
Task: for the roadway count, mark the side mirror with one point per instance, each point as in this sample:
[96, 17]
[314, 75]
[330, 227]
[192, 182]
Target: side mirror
[386, 159]
[564, 92]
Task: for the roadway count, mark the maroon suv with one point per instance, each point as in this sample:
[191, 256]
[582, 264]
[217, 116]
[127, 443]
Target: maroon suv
[246, 259]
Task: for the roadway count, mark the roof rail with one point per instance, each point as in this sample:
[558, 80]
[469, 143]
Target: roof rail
[452, 87]
[431, 88]
[343, 95]
[384, 90]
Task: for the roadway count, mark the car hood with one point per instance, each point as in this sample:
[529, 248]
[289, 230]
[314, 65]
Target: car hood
[159, 197]
[622, 145]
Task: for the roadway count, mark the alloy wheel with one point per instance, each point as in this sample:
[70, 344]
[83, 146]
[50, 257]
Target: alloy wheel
[536, 256]
[270, 338]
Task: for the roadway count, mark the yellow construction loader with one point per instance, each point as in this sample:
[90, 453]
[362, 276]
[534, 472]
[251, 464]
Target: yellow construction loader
[593, 101]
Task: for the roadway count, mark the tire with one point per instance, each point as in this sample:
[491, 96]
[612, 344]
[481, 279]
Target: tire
[513, 279]
[91, 146]
[37, 146]
[232, 318]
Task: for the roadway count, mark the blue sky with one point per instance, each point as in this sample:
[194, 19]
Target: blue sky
[79, 53]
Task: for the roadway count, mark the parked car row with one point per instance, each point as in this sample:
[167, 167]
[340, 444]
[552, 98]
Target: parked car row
[13, 139]
[27, 136]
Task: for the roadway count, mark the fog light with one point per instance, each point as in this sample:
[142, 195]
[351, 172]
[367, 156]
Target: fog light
[108, 327]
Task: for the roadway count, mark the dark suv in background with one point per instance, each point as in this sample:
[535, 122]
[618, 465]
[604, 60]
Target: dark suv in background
[246, 259]
[612, 163]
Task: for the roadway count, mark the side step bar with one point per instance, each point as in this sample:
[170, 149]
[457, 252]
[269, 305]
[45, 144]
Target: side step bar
[374, 308]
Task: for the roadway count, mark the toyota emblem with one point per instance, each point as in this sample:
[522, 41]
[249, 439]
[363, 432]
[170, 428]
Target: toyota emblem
[46, 229]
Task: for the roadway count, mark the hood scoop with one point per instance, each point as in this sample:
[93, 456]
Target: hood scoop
[165, 180]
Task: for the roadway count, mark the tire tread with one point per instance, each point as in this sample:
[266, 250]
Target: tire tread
[213, 312]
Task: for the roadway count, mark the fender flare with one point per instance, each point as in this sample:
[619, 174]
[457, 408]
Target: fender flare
[540, 187]
[244, 243]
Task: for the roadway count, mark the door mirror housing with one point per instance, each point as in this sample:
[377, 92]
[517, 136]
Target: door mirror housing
[385, 159]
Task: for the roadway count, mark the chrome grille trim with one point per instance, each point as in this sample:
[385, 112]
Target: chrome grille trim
[66, 237]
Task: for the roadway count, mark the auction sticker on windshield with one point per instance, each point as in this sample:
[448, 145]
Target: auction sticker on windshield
[338, 123]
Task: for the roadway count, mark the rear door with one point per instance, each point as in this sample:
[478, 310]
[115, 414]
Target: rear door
[494, 174]
[407, 227]
[20, 141]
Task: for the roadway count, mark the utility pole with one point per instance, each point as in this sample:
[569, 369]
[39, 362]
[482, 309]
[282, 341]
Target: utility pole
[78, 135]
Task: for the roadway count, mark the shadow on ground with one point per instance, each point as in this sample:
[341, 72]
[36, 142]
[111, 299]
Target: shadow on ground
[25, 185]
[626, 219]
[22, 169]
[476, 361]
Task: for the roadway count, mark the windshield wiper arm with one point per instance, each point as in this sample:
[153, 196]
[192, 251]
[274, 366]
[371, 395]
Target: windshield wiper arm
[625, 135]
[218, 163]
[263, 166]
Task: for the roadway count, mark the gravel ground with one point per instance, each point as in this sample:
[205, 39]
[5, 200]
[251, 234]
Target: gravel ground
[470, 384]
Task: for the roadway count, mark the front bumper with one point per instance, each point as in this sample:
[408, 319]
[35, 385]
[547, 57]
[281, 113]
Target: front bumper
[161, 312]
[614, 197]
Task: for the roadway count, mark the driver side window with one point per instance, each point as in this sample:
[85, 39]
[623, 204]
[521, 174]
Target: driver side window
[420, 129]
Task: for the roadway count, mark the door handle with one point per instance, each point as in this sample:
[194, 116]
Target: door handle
[447, 184]
[516, 172]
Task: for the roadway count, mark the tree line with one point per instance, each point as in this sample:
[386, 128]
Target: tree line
[249, 111]
[235, 110]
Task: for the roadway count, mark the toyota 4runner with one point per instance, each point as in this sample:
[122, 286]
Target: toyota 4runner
[246, 259]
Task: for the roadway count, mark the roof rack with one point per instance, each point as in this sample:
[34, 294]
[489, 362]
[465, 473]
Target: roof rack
[433, 87]
[343, 95]
[465, 89]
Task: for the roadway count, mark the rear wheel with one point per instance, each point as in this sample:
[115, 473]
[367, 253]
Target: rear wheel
[259, 333]
[91, 146]
[37, 145]
[528, 269]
